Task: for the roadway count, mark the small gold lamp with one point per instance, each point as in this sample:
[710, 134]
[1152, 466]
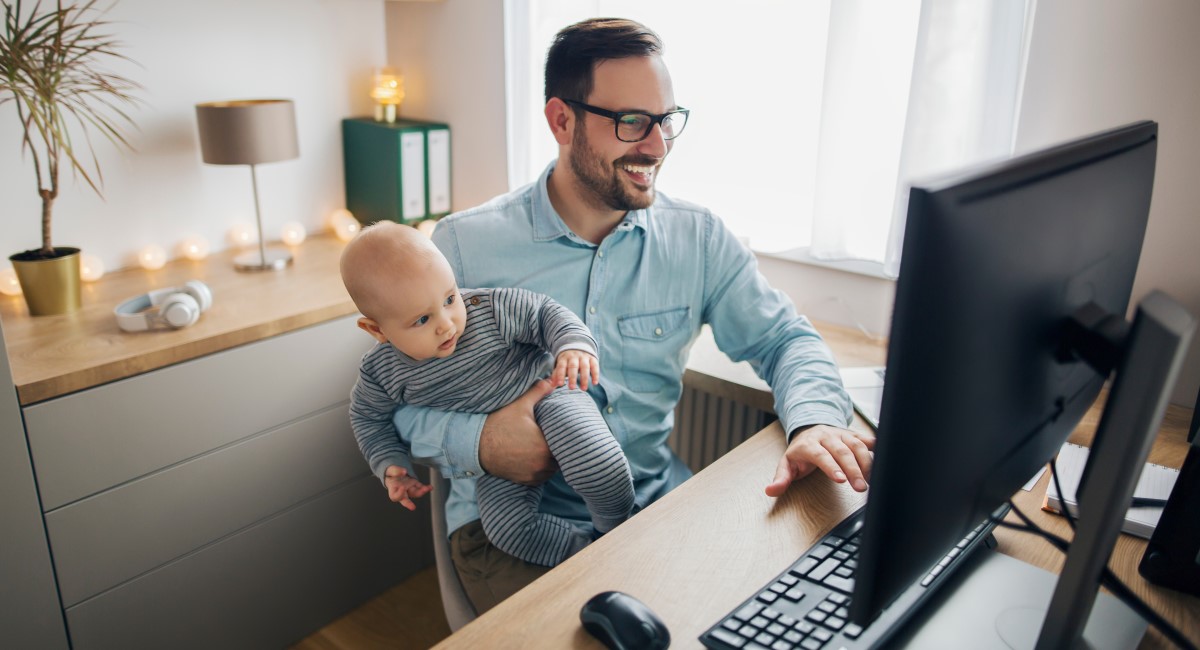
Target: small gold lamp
[388, 93]
[250, 132]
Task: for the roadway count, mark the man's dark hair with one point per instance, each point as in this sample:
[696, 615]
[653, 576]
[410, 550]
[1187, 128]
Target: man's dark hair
[578, 48]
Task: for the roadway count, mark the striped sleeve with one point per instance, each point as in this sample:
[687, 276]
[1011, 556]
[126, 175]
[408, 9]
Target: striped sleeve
[371, 419]
[533, 318]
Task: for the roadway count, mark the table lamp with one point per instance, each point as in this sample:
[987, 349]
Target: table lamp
[250, 132]
[388, 93]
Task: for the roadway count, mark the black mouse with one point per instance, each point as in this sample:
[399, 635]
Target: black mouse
[623, 622]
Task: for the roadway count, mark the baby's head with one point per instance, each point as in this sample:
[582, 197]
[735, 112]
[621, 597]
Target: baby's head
[405, 289]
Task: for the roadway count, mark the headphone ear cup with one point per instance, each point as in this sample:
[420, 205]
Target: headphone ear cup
[179, 310]
[200, 292]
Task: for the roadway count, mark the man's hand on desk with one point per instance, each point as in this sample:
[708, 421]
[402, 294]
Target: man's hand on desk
[843, 455]
[512, 445]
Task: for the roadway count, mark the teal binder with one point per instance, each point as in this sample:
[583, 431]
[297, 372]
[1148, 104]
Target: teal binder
[397, 171]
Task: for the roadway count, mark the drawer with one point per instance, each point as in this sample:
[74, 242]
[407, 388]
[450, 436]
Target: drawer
[116, 535]
[267, 586]
[92, 440]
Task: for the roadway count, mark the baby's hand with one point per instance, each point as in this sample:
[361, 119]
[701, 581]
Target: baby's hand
[572, 364]
[403, 488]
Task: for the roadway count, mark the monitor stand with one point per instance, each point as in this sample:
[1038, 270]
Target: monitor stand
[996, 601]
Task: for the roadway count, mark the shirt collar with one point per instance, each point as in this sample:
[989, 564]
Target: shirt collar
[548, 225]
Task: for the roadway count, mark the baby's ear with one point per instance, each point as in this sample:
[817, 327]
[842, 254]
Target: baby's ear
[369, 326]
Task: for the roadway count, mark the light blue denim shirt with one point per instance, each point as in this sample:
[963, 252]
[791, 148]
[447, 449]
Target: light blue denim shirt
[644, 291]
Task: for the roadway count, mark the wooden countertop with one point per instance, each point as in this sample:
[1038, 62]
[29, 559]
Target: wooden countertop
[56, 355]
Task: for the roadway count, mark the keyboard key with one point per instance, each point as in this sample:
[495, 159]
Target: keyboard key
[834, 623]
[792, 636]
[771, 614]
[768, 597]
[827, 607]
[822, 635]
[732, 624]
[838, 598]
[842, 612]
[795, 594]
[844, 572]
[811, 644]
[776, 629]
[804, 566]
[842, 555]
[787, 621]
[749, 631]
[754, 646]
[850, 548]
[781, 645]
[821, 551]
[816, 616]
[789, 579]
[727, 638]
[765, 639]
[852, 631]
[778, 587]
[818, 574]
[748, 612]
[804, 627]
[833, 540]
[759, 622]
[839, 583]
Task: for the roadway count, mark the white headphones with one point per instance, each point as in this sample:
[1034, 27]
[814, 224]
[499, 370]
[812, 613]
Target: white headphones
[173, 307]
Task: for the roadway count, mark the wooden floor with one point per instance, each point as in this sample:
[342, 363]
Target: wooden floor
[408, 616]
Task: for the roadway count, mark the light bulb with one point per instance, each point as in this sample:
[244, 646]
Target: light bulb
[293, 233]
[91, 268]
[194, 247]
[426, 227]
[152, 257]
[345, 226]
[9, 285]
[242, 234]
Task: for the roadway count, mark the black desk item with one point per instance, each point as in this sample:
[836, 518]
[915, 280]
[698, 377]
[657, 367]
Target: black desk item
[623, 622]
[1172, 558]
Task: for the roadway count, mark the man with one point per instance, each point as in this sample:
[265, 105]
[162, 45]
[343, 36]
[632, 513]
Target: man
[644, 271]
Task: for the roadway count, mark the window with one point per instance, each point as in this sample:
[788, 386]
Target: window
[861, 96]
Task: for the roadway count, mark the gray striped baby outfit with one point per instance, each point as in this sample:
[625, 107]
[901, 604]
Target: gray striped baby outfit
[510, 340]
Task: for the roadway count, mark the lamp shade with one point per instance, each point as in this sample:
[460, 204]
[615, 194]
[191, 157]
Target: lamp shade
[247, 131]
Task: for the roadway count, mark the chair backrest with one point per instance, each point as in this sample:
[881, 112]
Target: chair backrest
[459, 610]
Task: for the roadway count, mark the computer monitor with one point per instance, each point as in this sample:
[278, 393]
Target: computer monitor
[979, 396]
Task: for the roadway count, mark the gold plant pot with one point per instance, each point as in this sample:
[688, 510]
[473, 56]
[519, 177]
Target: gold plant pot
[50, 286]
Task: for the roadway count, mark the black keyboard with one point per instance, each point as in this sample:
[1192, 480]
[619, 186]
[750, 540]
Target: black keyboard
[807, 605]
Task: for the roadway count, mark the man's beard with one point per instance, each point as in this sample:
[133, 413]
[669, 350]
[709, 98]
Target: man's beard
[604, 180]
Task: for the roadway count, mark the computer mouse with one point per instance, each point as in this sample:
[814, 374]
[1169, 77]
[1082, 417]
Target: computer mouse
[623, 622]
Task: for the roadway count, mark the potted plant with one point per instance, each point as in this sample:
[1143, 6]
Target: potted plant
[49, 68]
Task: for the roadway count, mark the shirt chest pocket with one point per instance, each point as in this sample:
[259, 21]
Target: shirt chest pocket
[651, 344]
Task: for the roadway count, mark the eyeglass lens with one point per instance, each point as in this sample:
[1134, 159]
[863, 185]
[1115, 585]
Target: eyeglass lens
[633, 127]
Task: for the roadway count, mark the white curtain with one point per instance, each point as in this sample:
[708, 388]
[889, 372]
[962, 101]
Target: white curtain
[808, 118]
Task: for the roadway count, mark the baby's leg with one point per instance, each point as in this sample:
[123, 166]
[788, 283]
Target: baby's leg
[590, 457]
[510, 518]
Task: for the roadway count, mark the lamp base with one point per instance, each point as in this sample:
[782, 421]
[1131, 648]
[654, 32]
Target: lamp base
[271, 260]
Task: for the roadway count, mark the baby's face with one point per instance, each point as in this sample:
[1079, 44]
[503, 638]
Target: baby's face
[425, 317]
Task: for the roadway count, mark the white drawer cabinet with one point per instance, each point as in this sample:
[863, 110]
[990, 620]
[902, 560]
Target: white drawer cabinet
[219, 502]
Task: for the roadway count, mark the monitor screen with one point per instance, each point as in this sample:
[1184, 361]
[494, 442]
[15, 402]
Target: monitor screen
[977, 399]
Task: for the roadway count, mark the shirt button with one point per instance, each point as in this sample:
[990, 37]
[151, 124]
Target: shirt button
[609, 409]
[600, 254]
[658, 331]
[470, 473]
[591, 310]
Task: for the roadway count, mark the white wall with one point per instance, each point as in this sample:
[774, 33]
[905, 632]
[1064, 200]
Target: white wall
[451, 54]
[1095, 64]
[316, 52]
[1092, 64]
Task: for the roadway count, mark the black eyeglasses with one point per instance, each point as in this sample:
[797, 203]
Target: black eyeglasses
[634, 126]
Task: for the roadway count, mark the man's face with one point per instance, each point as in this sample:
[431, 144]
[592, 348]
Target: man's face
[620, 175]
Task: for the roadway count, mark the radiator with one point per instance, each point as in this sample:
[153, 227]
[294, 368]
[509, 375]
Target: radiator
[707, 426]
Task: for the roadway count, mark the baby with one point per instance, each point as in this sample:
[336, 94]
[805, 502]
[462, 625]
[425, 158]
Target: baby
[476, 351]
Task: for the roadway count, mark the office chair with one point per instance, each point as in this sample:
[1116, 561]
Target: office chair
[459, 610]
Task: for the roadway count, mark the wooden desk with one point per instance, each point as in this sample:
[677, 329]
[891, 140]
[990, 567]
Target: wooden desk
[700, 551]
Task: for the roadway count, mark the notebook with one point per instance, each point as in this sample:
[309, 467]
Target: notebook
[865, 386]
[1156, 482]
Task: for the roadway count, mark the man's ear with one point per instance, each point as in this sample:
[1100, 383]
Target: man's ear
[561, 119]
[369, 326]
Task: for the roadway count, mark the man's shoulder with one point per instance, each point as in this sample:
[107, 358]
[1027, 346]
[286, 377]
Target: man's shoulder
[502, 209]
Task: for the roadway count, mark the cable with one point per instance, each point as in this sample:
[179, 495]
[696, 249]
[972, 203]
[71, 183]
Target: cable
[1107, 577]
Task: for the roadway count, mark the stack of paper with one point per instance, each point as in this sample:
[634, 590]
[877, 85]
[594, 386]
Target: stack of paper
[1156, 482]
